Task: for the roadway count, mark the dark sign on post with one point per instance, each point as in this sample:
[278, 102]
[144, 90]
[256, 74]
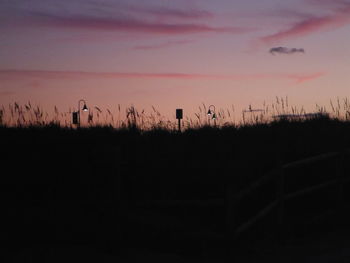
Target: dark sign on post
[179, 116]
[75, 117]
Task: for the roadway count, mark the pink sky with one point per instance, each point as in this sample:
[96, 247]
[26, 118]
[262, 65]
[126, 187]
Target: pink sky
[173, 54]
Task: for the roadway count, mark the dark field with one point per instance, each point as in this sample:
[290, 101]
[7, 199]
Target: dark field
[102, 195]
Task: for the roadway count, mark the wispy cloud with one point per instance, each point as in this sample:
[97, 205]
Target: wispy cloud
[163, 45]
[167, 12]
[78, 75]
[125, 24]
[113, 17]
[339, 17]
[301, 78]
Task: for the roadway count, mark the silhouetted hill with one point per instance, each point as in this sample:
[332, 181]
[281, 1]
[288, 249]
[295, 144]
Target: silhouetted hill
[89, 187]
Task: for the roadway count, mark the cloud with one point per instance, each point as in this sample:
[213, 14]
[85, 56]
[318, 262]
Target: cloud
[162, 45]
[100, 9]
[301, 78]
[81, 75]
[171, 12]
[125, 24]
[113, 17]
[338, 18]
[285, 50]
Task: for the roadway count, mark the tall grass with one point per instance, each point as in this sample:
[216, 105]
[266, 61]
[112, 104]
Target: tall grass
[16, 115]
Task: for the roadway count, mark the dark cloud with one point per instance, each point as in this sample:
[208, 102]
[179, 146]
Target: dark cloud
[285, 50]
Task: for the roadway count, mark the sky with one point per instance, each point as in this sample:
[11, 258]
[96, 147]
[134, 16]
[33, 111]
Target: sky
[174, 53]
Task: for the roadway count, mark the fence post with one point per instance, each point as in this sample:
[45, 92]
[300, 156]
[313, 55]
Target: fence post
[340, 179]
[231, 212]
[120, 203]
[281, 203]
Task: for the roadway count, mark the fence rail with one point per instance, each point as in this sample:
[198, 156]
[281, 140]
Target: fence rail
[277, 177]
[179, 203]
[311, 160]
[274, 205]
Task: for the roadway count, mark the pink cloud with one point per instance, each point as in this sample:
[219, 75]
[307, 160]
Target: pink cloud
[339, 18]
[300, 78]
[78, 75]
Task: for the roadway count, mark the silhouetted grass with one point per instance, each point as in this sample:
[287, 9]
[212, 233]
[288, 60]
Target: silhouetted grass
[69, 186]
[28, 115]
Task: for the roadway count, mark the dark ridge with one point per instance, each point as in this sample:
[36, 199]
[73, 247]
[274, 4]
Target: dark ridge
[118, 193]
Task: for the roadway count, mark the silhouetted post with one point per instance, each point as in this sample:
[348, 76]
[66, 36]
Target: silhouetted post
[179, 116]
[75, 118]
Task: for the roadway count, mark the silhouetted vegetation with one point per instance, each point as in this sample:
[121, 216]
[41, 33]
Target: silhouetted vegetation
[27, 115]
[89, 187]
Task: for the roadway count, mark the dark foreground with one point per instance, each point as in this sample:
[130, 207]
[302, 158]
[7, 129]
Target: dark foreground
[328, 242]
[98, 195]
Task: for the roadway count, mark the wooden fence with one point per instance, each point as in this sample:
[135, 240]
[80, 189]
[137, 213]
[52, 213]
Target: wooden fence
[269, 197]
[276, 181]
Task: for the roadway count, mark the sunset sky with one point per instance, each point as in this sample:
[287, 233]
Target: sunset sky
[173, 53]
